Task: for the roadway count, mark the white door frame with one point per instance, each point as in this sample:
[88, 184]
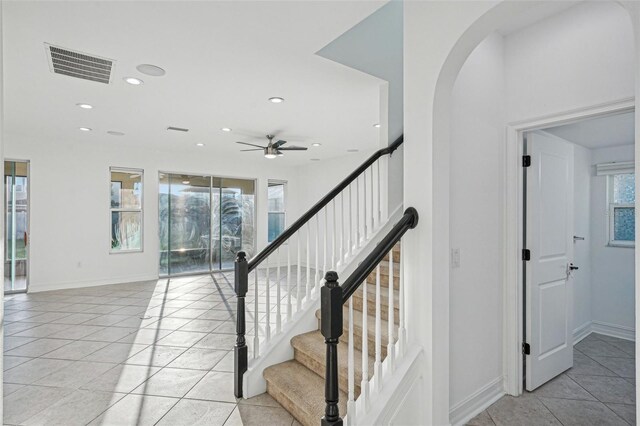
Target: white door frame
[513, 318]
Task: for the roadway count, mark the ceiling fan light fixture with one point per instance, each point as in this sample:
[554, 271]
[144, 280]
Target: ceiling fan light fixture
[270, 156]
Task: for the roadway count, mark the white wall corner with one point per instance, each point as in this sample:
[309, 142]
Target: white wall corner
[614, 330]
[477, 402]
[581, 332]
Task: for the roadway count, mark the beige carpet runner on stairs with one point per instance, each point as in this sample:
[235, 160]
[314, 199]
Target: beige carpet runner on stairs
[298, 384]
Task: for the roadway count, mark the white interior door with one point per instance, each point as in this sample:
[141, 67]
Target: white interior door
[549, 237]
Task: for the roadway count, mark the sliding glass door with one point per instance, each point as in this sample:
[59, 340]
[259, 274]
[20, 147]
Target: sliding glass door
[16, 227]
[204, 222]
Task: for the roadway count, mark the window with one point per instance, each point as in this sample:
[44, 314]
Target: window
[126, 210]
[276, 201]
[621, 198]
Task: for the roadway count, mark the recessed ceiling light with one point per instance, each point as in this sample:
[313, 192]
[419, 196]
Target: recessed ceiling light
[377, 126]
[84, 106]
[134, 81]
[316, 144]
[276, 100]
[225, 129]
[151, 70]
[352, 150]
[315, 159]
[85, 129]
[114, 133]
[199, 144]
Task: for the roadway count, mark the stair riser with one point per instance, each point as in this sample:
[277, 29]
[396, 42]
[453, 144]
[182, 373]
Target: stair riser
[281, 396]
[371, 307]
[357, 337]
[384, 281]
[320, 369]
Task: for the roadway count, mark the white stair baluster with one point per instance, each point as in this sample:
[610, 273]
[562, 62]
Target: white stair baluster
[357, 242]
[379, 200]
[256, 338]
[307, 288]
[351, 412]
[349, 242]
[371, 200]
[278, 308]
[364, 204]
[401, 332]
[324, 242]
[391, 347]
[317, 274]
[377, 369]
[267, 327]
[343, 249]
[298, 277]
[333, 236]
[364, 384]
[288, 282]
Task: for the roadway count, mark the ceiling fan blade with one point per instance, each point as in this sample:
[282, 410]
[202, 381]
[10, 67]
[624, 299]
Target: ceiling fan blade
[279, 143]
[255, 149]
[251, 144]
[294, 148]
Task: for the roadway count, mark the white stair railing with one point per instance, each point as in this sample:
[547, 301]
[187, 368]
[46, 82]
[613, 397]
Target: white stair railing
[341, 242]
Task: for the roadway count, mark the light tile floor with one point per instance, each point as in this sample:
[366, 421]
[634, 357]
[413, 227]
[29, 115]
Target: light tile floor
[598, 390]
[143, 353]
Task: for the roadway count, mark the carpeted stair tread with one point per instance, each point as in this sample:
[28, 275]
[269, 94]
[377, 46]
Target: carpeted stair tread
[384, 302]
[371, 330]
[300, 391]
[310, 350]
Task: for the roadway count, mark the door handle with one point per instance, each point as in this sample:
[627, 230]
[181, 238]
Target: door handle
[572, 267]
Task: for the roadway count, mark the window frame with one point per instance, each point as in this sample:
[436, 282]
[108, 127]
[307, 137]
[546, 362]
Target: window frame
[127, 210]
[611, 206]
[285, 197]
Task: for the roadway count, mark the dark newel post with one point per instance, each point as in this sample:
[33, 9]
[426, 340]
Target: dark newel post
[240, 349]
[331, 328]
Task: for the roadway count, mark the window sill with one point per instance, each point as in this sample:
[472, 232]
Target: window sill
[615, 245]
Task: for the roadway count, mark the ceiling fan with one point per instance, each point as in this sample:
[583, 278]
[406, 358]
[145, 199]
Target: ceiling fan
[273, 149]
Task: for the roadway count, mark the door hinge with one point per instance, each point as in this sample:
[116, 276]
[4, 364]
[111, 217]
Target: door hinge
[526, 349]
[526, 160]
[526, 254]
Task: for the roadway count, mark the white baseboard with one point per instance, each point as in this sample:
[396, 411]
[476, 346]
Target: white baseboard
[581, 332]
[65, 285]
[614, 330]
[477, 402]
[600, 327]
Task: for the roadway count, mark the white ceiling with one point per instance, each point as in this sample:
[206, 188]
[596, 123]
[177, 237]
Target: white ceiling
[223, 61]
[599, 132]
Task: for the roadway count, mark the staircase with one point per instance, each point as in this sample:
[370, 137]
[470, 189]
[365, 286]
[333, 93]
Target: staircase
[299, 384]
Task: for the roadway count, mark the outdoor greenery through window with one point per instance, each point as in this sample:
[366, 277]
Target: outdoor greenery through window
[622, 197]
[126, 210]
[276, 201]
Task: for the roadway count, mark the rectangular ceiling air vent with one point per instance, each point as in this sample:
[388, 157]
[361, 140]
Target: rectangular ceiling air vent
[79, 65]
[177, 129]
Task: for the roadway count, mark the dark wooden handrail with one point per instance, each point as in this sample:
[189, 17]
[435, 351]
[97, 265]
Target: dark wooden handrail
[295, 226]
[332, 298]
[409, 220]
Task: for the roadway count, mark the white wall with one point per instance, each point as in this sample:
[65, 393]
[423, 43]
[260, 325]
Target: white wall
[582, 171]
[70, 221]
[613, 268]
[581, 57]
[578, 58]
[476, 220]
[438, 38]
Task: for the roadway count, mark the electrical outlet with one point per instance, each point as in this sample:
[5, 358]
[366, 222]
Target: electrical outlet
[455, 258]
